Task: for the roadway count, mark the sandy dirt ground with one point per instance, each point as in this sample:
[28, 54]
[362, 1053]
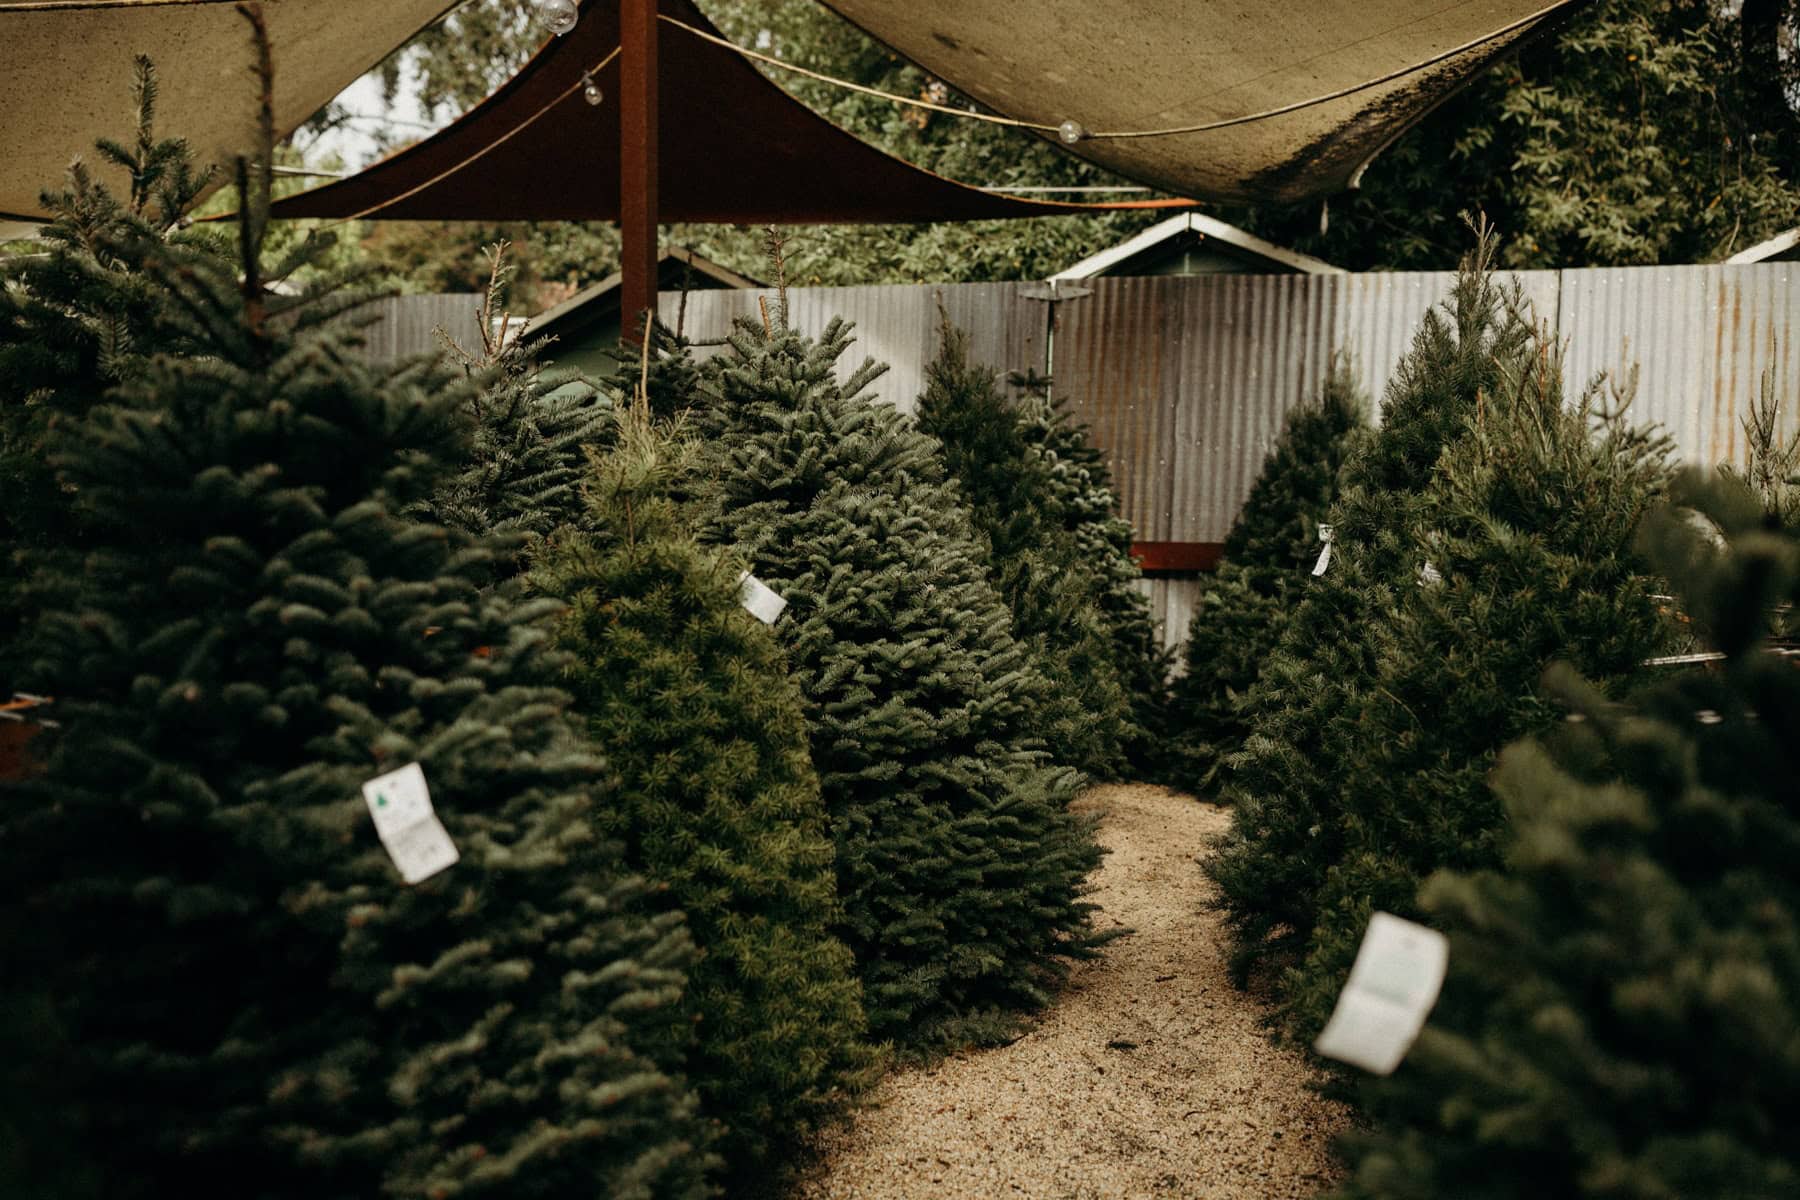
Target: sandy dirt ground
[1150, 1077]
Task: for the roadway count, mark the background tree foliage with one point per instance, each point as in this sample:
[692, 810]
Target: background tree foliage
[1644, 131]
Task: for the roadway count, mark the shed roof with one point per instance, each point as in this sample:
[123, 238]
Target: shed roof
[678, 268]
[1169, 236]
[1783, 247]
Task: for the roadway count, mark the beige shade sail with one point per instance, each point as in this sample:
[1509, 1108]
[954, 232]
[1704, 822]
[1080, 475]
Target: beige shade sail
[66, 70]
[1300, 96]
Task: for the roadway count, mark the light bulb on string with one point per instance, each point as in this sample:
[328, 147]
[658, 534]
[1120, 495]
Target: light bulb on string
[590, 90]
[1071, 132]
[559, 16]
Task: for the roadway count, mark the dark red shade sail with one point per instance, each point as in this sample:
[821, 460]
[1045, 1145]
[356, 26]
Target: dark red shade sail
[735, 148]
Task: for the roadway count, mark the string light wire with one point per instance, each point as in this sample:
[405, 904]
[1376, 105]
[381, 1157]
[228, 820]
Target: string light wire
[521, 127]
[846, 85]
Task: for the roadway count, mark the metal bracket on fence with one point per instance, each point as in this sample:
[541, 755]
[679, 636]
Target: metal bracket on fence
[1053, 290]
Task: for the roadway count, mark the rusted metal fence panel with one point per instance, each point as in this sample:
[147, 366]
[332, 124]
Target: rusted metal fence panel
[1700, 337]
[1185, 381]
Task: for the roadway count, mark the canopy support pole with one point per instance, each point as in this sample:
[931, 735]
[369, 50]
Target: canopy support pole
[638, 159]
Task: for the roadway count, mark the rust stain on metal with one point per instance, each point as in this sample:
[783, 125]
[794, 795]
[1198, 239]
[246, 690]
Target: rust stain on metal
[1719, 430]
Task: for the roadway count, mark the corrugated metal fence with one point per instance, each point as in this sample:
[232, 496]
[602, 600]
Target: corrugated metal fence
[1185, 381]
[406, 325]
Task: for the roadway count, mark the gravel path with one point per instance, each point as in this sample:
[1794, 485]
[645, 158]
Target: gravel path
[1149, 1078]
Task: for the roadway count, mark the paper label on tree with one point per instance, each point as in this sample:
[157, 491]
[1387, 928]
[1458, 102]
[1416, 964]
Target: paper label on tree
[408, 827]
[1429, 576]
[398, 799]
[422, 850]
[1398, 973]
[759, 598]
[1325, 534]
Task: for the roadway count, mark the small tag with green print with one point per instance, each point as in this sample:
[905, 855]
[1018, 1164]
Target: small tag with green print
[407, 825]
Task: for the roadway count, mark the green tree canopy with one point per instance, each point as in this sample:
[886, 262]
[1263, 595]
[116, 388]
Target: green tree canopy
[1640, 131]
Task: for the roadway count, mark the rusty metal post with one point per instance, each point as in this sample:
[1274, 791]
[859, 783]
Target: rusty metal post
[638, 79]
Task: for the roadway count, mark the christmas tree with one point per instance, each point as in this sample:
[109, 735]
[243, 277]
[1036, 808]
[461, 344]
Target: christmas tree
[1279, 781]
[78, 318]
[1624, 997]
[1402, 675]
[239, 987]
[959, 865]
[995, 453]
[1773, 472]
[1081, 489]
[1272, 546]
[1278, 527]
[1528, 529]
[688, 696]
[525, 468]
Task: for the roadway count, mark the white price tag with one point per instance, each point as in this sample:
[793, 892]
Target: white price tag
[422, 850]
[1325, 535]
[408, 827]
[1429, 576]
[1398, 973]
[760, 599]
[398, 799]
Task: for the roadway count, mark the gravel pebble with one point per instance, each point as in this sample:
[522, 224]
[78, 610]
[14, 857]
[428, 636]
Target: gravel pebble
[1150, 1077]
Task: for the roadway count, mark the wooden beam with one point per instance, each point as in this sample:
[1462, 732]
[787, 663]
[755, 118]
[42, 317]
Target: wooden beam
[638, 159]
[1157, 558]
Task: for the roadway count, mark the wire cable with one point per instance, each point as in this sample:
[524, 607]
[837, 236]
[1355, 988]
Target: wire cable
[991, 118]
[521, 127]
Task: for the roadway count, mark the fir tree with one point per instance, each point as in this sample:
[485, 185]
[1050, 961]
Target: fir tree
[1278, 527]
[1624, 997]
[1081, 490]
[1272, 545]
[959, 865]
[1375, 721]
[1528, 524]
[999, 465]
[79, 317]
[689, 697]
[1773, 472]
[524, 471]
[1278, 781]
[244, 996]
